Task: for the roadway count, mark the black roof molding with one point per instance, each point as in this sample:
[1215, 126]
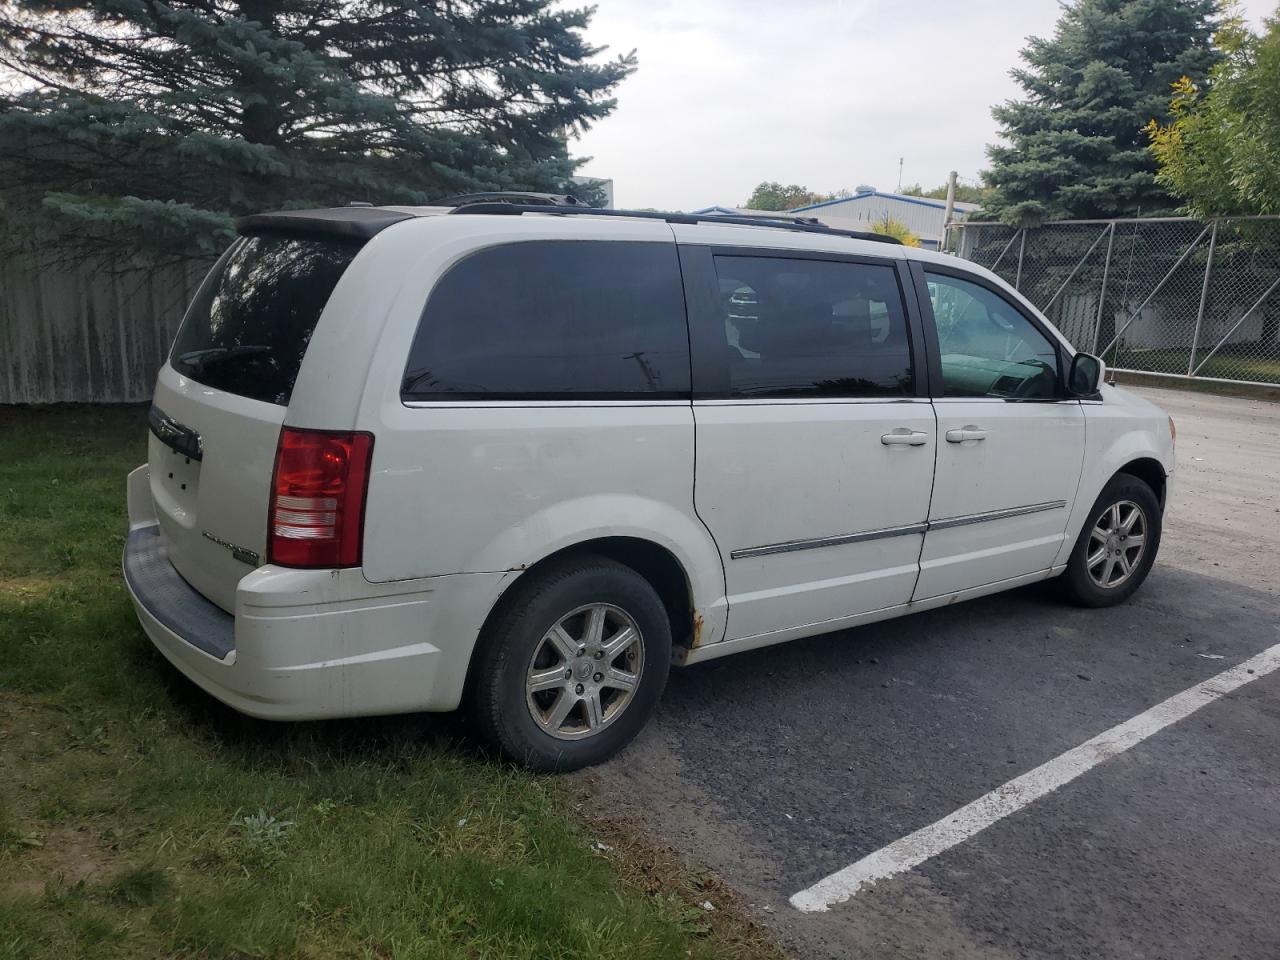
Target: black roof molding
[512, 196]
[355, 223]
[360, 222]
[801, 225]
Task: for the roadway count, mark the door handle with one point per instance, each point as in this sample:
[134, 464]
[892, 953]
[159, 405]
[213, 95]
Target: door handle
[968, 432]
[913, 438]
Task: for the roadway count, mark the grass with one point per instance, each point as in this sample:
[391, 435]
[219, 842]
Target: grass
[140, 818]
[1223, 364]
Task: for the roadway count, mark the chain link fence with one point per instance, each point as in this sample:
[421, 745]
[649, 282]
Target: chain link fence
[1173, 296]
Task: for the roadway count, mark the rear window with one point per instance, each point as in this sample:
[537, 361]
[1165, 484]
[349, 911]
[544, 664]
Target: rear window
[554, 320]
[247, 330]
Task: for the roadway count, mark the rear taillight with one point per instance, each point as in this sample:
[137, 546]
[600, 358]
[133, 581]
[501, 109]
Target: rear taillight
[317, 498]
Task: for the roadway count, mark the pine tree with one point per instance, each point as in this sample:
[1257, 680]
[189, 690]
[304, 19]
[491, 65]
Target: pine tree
[1075, 146]
[151, 124]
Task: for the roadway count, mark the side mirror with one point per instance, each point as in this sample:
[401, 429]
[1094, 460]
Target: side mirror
[1085, 375]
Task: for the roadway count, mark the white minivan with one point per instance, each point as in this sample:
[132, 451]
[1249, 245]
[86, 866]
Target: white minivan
[525, 456]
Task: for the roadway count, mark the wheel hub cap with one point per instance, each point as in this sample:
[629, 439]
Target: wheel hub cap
[1117, 543]
[584, 671]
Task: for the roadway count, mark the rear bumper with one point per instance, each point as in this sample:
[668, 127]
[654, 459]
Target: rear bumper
[157, 588]
[308, 644]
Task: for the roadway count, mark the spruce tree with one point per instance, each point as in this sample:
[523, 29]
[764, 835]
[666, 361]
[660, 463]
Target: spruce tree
[1076, 146]
[148, 125]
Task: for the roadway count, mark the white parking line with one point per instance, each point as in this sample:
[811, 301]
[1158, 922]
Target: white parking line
[915, 848]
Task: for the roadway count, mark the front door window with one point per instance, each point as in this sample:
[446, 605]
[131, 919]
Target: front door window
[989, 349]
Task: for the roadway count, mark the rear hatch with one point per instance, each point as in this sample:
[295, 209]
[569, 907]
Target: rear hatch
[221, 399]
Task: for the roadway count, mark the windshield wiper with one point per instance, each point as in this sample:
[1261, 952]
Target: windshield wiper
[198, 359]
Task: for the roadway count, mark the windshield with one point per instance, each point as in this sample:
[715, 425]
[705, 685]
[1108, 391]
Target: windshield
[248, 328]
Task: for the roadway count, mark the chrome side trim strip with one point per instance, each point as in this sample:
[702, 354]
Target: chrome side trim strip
[792, 545]
[995, 515]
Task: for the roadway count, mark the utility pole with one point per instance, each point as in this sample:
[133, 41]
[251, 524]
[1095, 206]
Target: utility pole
[900, 160]
[950, 210]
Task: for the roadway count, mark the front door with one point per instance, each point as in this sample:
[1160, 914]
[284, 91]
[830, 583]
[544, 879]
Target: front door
[1009, 447]
[814, 441]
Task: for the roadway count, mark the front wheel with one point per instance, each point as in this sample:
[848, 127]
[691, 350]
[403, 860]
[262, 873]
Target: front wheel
[573, 664]
[1117, 546]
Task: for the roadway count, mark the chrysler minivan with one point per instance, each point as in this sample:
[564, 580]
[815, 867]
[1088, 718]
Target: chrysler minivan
[525, 457]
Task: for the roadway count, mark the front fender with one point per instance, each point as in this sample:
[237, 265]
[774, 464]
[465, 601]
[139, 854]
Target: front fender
[1114, 438]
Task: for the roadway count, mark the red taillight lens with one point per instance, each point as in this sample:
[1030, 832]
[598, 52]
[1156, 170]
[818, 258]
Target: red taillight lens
[317, 498]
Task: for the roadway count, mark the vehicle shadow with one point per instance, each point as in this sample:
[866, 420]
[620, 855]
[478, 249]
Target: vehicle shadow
[1002, 653]
[315, 745]
[1175, 610]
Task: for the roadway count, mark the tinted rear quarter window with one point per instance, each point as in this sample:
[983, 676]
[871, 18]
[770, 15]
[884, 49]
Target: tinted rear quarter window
[248, 328]
[812, 328]
[554, 320]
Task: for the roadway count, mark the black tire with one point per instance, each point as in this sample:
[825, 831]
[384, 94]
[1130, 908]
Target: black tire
[517, 633]
[1078, 584]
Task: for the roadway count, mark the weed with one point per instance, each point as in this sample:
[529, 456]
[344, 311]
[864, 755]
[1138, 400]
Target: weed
[258, 840]
[261, 829]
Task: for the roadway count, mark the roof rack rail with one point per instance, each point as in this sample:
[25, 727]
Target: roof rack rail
[512, 196]
[784, 217]
[802, 225]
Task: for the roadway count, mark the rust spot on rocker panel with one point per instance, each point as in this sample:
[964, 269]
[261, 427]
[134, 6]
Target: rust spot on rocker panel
[697, 629]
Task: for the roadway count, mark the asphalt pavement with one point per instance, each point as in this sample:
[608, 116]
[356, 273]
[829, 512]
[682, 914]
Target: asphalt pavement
[778, 767]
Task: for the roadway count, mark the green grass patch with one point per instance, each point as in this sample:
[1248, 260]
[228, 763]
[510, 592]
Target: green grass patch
[139, 817]
[1225, 364]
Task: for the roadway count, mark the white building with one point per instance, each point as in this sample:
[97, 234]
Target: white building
[921, 215]
[739, 212]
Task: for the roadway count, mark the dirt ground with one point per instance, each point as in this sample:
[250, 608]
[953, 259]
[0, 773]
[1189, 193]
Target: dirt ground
[1224, 510]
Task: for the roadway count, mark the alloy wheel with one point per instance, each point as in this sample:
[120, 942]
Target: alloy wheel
[1116, 544]
[584, 671]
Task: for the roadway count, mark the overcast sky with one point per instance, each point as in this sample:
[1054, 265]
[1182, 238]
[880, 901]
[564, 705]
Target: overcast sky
[825, 93]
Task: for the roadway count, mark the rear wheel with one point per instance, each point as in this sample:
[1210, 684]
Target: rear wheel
[572, 665]
[1117, 546]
